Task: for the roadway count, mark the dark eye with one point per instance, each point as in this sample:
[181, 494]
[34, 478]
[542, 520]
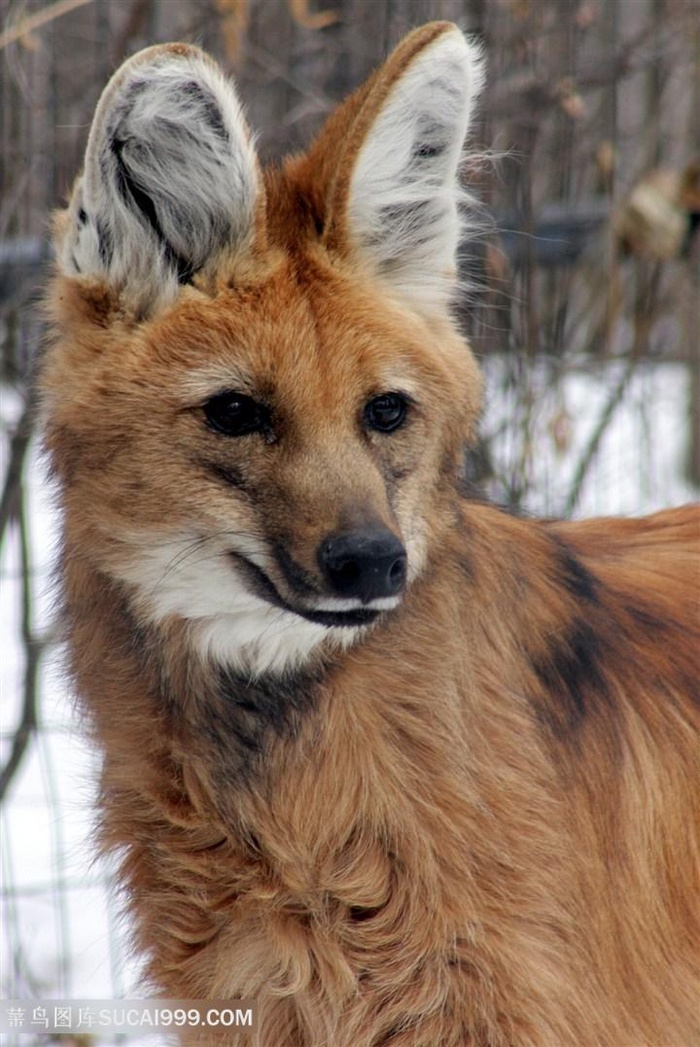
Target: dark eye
[236, 414]
[386, 412]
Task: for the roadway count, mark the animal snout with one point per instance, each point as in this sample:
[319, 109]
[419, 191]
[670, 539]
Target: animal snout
[365, 564]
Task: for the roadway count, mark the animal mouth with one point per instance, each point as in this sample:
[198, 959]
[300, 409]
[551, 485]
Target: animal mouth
[361, 616]
[260, 584]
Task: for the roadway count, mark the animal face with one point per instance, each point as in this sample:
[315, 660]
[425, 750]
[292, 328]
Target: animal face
[262, 396]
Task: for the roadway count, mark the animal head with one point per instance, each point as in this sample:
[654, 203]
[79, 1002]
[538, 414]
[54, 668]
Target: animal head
[257, 399]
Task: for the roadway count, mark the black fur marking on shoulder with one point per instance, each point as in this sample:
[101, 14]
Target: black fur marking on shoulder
[572, 672]
[577, 579]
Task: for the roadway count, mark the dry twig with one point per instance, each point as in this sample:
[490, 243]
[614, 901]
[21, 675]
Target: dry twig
[28, 24]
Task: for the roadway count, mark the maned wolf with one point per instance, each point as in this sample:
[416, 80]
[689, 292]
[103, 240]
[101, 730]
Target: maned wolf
[404, 769]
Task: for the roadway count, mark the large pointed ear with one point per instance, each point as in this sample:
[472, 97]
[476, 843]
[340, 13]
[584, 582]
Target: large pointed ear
[170, 178]
[396, 194]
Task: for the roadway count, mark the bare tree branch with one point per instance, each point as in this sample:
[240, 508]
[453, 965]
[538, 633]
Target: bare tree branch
[29, 23]
[11, 493]
[591, 449]
[32, 654]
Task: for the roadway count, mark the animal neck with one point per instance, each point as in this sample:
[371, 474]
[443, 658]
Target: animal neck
[201, 735]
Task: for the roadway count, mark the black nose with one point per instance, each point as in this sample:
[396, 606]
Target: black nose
[364, 564]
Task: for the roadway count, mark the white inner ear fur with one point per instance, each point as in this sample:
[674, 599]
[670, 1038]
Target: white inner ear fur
[170, 177]
[403, 207]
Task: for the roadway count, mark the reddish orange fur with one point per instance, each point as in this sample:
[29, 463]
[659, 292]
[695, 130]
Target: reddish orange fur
[486, 830]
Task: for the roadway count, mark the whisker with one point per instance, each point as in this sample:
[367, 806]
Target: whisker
[185, 554]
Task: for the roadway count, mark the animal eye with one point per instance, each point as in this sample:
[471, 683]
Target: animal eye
[236, 414]
[386, 412]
